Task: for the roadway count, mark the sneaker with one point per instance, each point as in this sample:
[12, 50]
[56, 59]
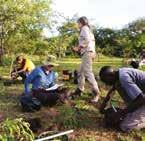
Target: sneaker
[95, 99]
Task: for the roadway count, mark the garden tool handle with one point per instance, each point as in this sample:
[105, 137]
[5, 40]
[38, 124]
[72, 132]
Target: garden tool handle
[107, 98]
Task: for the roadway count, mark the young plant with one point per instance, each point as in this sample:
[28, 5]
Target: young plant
[15, 130]
[67, 117]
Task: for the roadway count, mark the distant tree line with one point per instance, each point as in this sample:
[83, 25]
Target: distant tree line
[126, 42]
[22, 23]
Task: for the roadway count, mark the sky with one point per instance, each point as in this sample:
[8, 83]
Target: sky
[104, 13]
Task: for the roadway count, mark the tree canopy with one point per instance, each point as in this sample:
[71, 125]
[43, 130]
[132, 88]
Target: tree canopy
[21, 24]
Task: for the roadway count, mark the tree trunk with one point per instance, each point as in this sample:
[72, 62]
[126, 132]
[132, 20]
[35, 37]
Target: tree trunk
[1, 44]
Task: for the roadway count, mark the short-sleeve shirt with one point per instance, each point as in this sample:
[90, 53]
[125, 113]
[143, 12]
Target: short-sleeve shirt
[132, 82]
[29, 66]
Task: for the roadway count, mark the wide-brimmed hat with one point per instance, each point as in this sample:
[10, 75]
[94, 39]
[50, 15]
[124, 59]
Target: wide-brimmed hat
[50, 60]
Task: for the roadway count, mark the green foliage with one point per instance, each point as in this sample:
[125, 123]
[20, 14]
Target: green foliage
[22, 22]
[79, 116]
[87, 121]
[82, 105]
[67, 37]
[16, 129]
[127, 42]
[67, 117]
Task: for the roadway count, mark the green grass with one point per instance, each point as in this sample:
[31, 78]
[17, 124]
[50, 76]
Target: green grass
[84, 117]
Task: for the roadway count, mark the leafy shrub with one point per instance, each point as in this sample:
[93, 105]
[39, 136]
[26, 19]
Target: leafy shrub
[72, 117]
[67, 117]
[15, 130]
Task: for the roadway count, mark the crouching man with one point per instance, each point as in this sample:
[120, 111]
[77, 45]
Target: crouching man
[130, 84]
[42, 78]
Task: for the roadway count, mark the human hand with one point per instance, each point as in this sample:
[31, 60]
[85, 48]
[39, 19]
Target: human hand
[14, 73]
[76, 49]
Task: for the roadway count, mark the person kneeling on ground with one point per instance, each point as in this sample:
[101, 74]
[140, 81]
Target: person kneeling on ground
[130, 84]
[23, 67]
[42, 78]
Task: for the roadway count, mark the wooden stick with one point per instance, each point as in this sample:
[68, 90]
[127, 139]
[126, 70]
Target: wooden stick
[107, 98]
[54, 136]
